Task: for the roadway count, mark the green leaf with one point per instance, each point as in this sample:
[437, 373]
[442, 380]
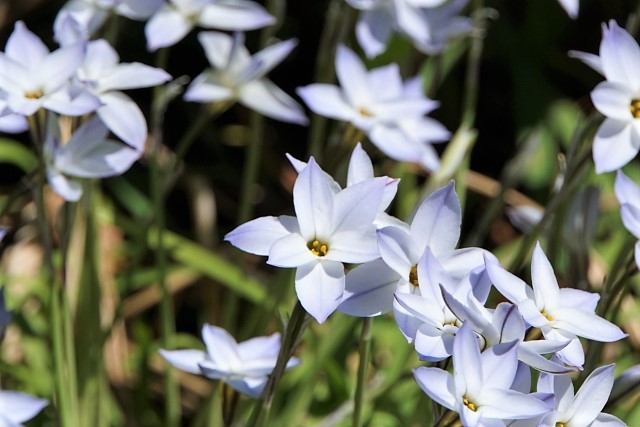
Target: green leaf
[14, 153]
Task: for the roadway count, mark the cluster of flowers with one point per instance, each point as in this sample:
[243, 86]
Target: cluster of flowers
[438, 295]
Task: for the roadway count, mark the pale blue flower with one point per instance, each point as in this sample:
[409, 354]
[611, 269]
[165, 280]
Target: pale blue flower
[390, 111]
[87, 154]
[244, 366]
[105, 77]
[561, 314]
[175, 18]
[87, 16]
[618, 98]
[330, 229]
[238, 76]
[481, 388]
[34, 78]
[583, 409]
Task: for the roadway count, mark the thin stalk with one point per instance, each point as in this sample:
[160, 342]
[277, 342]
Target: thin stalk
[172, 390]
[365, 350]
[294, 330]
[337, 24]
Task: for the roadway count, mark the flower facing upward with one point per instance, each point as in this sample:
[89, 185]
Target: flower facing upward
[244, 366]
[391, 112]
[331, 228]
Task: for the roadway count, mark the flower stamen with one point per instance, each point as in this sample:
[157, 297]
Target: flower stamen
[413, 276]
[634, 107]
[560, 424]
[469, 404]
[35, 94]
[365, 112]
[318, 248]
[547, 316]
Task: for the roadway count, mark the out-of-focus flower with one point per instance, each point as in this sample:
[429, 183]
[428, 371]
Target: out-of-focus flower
[104, 76]
[561, 314]
[88, 16]
[584, 408]
[174, 19]
[390, 112]
[10, 122]
[330, 229]
[17, 408]
[571, 7]
[88, 154]
[442, 24]
[35, 78]
[245, 366]
[628, 194]
[238, 76]
[481, 387]
[618, 138]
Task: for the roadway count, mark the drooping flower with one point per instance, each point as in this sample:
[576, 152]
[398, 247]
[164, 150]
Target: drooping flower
[17, 408]
[87, 154]
[561, 314]
[35, 78]
[584, 407]
[618, 98]
[244, 366]
[330, 229]
[105, 77]
[390, 112]
[237, 76]
[628, 194]
[174, 19]
[481, 387]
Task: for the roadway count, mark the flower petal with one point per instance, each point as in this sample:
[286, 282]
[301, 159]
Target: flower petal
[235, 15]
[313, 202]
[326, 100]
[291, 251]
[166, 28]
[369, 290]
[543, 279]
[613, 100]
[587, 325]
[353, 77]
[222, 348]
[398, 250]
[591, 397]
[620, 56]
[123, 117]
[257, 236]
[186, 360]
[616, 144]
[437, 221]
[268, 99]
[373, 31]
[19, 407]
[438, 385]
[25, 47]
[319, 287]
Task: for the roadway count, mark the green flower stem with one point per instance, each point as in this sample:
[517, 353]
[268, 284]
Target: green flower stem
[172, 388]
[292, 334]
[337, 24]
[365, 350]
[465, 137]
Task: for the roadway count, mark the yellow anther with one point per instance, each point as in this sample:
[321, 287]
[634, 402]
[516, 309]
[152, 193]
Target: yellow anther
[364, 112]
[547, 316]
[318, 248]
[634, 107]
[413, 276]
[469, 404]
[36, 94]
[559, 424]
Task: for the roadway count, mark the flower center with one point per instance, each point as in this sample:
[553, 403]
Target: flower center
[366, 113]
[413, 276]
[318, 248]
[35, 94]
[634, 107]
[469, 404]
[560, 424]
[547, 316]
